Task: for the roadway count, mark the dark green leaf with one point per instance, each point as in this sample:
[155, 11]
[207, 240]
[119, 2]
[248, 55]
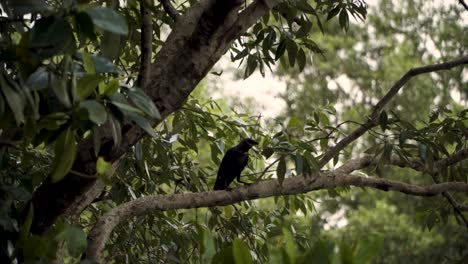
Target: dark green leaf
[50, 36]
[14, 98]
[26, 227]
[292, 52]
[224, 256]
[65, 151]
[383, 120]
[251, 66]
[143, 123]
[108, 19]
[333, 12]
[344, 19]
[280, 49]
[301, 59]
[75, 238]
[85, 27]
[110, 45]
[96, 111]
[144, 102]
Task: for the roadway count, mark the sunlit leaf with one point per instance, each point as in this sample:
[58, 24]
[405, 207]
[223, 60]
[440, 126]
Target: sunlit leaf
[241, 252]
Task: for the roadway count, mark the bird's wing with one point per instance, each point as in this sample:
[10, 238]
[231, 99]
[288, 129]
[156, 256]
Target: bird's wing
[229, 168]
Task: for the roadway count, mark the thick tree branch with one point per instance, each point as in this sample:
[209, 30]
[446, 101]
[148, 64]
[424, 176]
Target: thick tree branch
[146, 44]
[170, 10]
[198, 39]
[295, 185]
[373, 118]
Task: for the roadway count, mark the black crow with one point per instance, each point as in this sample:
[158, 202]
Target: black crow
[234, 161]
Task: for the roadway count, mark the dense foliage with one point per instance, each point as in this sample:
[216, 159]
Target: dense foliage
[71, 77]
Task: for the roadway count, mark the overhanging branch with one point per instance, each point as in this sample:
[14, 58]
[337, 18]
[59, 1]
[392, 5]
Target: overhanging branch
[373, 118]
[295, 185]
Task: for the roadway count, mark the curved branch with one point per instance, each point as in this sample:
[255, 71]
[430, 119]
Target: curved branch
[170, 10]
[373, 118]
[295, 185]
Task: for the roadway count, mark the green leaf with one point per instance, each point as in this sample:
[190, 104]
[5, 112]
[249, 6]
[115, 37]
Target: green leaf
[291, 249]
[251, 66]
[333, 12]
[280, 49]
[110, 88]
[65, 151]
[292, 52]
[110, 45]
[343, 19]
[88, 62]
[102, 166]
[144, 102]
[383, 120]
[224, 256]
[75, 238]
[26, 227]
[143, 123]
[86, 85]
[281, 170]
[108, 19]
[59, 86]
[96, 111]
[241, 252]
[50, 36]
[301, 59]
[15, 99]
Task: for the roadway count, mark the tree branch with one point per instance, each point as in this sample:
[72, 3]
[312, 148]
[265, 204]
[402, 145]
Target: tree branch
[197, 41]
[294, 185]
[459, 156]
[170, 10]
[146, 44]
[463, 4]
[373, 118]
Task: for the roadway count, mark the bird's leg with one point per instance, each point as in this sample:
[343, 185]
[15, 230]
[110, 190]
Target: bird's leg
[239, 180]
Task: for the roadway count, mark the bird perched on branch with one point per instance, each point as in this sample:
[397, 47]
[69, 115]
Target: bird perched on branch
[234, 161]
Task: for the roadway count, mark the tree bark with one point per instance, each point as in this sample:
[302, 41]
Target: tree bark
[198, 40]
[294, 185]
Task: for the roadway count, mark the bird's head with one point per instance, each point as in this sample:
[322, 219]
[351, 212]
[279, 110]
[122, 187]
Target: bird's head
[246, 144]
